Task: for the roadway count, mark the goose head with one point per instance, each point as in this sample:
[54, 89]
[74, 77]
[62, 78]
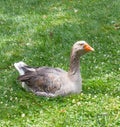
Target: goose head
[81, 47]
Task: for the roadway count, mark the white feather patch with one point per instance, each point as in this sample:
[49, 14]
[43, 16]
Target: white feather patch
[19, 66]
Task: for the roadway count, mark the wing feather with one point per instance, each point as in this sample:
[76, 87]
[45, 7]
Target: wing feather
[43, 79]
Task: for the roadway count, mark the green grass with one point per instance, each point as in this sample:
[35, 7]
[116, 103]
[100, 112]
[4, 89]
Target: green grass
[41, 33]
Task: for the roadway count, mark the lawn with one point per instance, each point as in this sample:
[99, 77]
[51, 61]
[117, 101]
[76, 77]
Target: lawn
[41, 33]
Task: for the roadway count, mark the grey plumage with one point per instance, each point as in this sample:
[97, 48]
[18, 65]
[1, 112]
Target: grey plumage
[42, 79]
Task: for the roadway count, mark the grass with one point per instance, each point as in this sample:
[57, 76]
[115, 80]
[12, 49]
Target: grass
[41, 33]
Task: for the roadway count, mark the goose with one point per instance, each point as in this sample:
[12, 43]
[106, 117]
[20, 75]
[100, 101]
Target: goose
[53, 82]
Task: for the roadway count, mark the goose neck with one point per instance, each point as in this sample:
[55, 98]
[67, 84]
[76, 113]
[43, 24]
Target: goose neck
[74, 64]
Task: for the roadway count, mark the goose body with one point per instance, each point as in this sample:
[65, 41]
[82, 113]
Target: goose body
[52, 82]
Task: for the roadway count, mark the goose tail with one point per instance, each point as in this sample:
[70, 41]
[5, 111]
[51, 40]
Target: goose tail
[23, 68]
[19, 67]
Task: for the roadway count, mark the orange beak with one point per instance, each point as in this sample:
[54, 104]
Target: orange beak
[88, 48]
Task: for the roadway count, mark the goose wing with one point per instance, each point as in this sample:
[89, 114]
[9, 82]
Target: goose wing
[43, 79]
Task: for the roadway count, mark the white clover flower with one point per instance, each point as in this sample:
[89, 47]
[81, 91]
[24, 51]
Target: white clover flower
[23, 115]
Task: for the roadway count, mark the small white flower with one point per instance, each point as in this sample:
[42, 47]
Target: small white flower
[75, 10]
[78, 103]
[95, 96]
[113, 22]
[11, 89]
[23, 115]
[1, 102]
[12, 106]
[118, 97]
[82, 94]
[11, 98]
[73, 101]
[27, 44]
[15, 98]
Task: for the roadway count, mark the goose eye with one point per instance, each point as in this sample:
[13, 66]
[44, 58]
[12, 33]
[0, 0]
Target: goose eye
[81, 44]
